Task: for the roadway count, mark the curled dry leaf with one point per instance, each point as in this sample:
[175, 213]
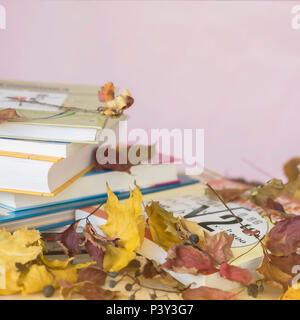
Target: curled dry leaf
[69, 239]
[187, 227]
[114, 106]
[219, 247]
[234, 273]
[163, 226]
[207, 293]
[8, 114]
[291, 169]
[187, 259]
[284, 237]
[272, 275]
[272, 189]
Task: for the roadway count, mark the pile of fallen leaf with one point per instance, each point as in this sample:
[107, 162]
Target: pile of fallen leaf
[116, 265]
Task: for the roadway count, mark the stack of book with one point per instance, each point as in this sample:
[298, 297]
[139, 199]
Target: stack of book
[47, 161]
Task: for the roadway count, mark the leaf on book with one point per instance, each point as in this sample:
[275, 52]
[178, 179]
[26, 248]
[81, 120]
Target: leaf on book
[187, 259]
[8, 114]
[107, 92]
[234, 273]
[219, 246]
[125, 222]
[271, 190]
[114, 106]
[207, 293]
[69, 239]
[163, 226]
[284, 237]
[272, 275]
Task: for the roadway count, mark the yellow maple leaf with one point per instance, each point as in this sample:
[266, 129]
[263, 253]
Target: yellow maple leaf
[163, 226]
[19, 247]
[127, 223]
[11, 283]
[291, 294]
[36, 279]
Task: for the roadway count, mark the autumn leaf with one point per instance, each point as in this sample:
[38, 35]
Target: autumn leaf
[187, 259]
[272, 275]
[186, 228]
[8, 114]
[107, 92]
[272, 189]
[227, 194]
[207, 293]
[163, 226]
[234, 273]
[91, 291]
[69, 239]
[291, 169]
[93, 275]
[291, 294]
[125, 222]
[19, 247]
[285, 263]
[36, 279]
[284, 237]
[11, 283]
[219, 247]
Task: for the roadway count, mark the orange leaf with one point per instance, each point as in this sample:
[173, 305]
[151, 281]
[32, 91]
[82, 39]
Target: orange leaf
[107, 92]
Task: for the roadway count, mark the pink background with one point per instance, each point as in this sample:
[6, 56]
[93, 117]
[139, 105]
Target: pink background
[231, 68]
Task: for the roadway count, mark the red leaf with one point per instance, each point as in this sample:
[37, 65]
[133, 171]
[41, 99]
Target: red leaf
[286, 263]
[234, 273]
[186, 259]
[284, 237]
[69, 239]
[206, 293]
[274, 205]
[95, 252]
[93, 275]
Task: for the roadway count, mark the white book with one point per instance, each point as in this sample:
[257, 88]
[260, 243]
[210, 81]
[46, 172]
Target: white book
[43, 176]
[45, 148]
[94, 183]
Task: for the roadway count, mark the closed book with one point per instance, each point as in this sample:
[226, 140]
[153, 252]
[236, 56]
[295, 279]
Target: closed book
[43, 148]
[44, 122]
[93, 185]
[42, 175]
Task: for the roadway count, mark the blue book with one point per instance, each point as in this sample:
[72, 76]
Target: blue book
[65, 208]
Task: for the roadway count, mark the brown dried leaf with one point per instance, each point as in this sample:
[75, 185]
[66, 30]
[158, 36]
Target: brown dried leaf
[219, 247]
[93, 275]
[272, 275]
[206, 293]
[227, 194]
[93, 292]
[186, 259]
[291, 170]
[286, 263]
[8, 114]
